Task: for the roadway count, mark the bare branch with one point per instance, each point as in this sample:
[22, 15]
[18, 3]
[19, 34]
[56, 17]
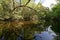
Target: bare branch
[31, 9]
[13, 4]
[25, 6]
[27, 2]
[17, 7]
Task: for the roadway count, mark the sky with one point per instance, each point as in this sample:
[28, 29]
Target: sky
[46, 3]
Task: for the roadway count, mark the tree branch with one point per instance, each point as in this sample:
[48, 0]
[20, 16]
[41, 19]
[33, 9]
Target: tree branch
[20, 5]
[25, 6]
[32, 9]
[27, 2]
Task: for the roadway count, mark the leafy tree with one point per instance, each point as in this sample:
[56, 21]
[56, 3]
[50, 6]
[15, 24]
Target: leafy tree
[56, 18]
[24, 18]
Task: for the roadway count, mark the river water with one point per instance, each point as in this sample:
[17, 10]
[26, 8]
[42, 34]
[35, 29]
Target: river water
[48, 34]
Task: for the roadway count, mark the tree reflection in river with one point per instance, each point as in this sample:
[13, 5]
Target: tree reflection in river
[48, 34]
[45, 35]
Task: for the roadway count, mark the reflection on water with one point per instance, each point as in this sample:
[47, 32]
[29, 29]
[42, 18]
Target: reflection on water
[45, 35]
[48, 34]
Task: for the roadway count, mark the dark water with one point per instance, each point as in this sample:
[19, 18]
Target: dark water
[45, 35]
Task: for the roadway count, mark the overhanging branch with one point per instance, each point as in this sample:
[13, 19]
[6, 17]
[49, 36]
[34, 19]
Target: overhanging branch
[31, 9]
[24, 6]
[27, 2]
[20, 5]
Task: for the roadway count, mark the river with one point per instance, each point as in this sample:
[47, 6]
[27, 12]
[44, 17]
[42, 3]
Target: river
[48, 34]
[45, 35]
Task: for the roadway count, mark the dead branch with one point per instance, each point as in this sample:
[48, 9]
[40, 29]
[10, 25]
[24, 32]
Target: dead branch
[27, 2]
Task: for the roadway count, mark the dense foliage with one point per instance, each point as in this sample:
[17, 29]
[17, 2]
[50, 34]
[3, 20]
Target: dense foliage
[56, 18]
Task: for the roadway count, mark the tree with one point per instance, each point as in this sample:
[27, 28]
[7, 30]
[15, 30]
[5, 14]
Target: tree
[21, 18]
[56, 18]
